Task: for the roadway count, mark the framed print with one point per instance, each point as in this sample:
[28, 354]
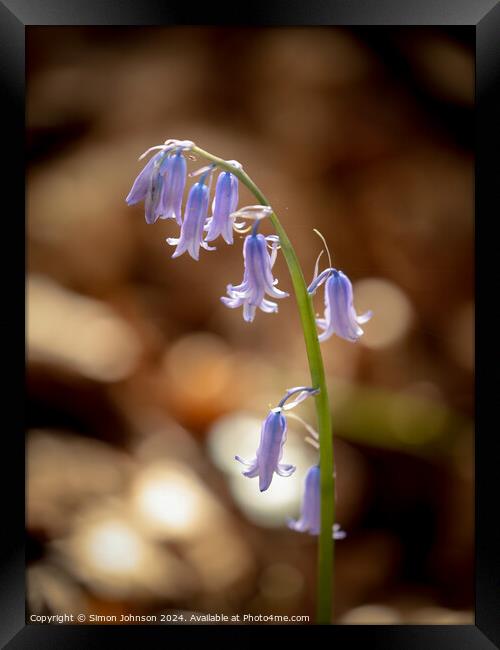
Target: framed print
[254, 242]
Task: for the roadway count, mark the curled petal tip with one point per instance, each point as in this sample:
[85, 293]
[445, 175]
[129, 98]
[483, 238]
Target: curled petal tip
[364, 318]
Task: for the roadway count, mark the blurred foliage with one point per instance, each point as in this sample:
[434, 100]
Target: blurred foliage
[407, 423]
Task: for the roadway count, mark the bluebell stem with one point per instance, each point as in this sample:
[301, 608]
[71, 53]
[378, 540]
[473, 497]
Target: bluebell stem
[195, 214]
[224, 203]
[340, 316]
[272, 439]
[310, 518]
[257, 279]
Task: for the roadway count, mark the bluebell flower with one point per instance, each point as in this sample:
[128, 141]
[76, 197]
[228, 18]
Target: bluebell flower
[148, 187]
[272, 439]
[141, 183]
[257, 279]
[310, 517]
[268, 456]
[340, 316]
[195, 214]
[174, 168]
[161, 182]
[224, 203]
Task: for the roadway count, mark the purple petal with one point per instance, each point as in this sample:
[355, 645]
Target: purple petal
[141, 183]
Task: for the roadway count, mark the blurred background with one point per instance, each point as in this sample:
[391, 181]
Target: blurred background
[143, 386]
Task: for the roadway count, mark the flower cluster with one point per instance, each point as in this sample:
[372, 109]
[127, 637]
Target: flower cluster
[161, 185]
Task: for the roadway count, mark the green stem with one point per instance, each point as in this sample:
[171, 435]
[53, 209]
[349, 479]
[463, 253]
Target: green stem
[306, 310]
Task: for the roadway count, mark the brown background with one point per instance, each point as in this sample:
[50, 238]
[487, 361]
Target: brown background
[143, 386]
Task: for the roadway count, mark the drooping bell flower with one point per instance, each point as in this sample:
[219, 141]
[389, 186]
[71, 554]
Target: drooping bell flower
[224, 203]
[268, 456]
[310, 517]
[175, 170]
[257, 278]
[160, 184]
[267, 459]
[148, 187]
[195, 214]
[340, 317]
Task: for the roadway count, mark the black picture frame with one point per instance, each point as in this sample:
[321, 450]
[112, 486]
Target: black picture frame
[481, 15]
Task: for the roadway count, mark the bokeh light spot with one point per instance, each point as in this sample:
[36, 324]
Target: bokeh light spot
[392, 311]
